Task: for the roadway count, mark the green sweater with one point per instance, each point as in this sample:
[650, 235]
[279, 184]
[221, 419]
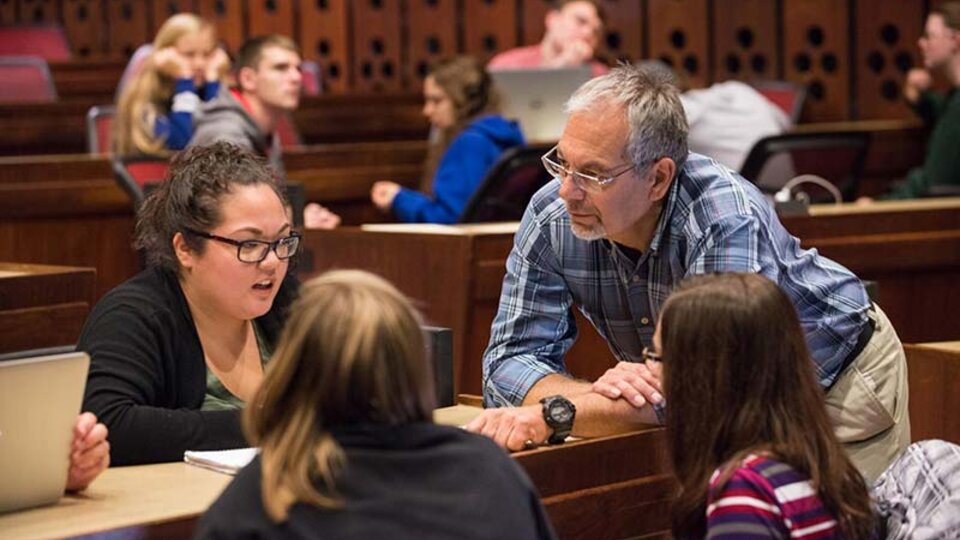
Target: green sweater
[942, 163]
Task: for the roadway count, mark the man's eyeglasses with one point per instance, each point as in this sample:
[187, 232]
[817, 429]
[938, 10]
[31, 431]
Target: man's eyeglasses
[254, 251]
[650, 354]
[587, 182]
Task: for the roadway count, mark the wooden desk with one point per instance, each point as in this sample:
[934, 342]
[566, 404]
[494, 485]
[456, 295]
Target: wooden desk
[622, 478]
[43, 306]
[934, 371]
[912, 249]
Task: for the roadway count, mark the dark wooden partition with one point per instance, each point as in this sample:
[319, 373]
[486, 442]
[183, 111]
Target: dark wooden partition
[83, 24]
[129, 27]
[165, 8]
[377, 47]
[489, 27]
[43, 306]
[269, 17]
[745, 40]
[431, 35]
[531, 18]
[324, 38]
[934, 371]
[816, 51]
[227, 15]
[623, 37]
[678, 36]
[887, 33]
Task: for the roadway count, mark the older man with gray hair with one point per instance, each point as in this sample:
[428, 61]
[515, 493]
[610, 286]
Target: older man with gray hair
[630, 214]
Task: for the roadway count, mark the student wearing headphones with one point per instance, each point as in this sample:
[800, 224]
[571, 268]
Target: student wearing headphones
[470, 136]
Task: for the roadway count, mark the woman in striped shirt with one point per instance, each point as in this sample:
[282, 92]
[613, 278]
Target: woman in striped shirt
[751, 442]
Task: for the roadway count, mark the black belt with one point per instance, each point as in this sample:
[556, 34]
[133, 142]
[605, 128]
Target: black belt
[865, 334]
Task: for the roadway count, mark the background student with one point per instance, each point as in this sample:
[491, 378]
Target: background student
[177, 350]
[463, 108]
[348, 447]
[155, 112]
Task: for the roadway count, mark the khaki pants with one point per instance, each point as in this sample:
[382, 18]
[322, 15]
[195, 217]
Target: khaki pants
[868, 402]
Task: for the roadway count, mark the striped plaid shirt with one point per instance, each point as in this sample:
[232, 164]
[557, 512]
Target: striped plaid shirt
[765, 498]
[712, 221]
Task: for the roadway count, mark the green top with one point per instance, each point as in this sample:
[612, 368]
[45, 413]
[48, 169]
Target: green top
[942, 163]
[217, 397]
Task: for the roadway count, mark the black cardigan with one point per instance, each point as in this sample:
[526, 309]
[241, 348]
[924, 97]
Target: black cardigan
[417, 481]
[147, 375]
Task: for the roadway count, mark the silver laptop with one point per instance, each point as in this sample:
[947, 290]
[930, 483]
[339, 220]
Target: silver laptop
[40, 398]
[535, 98]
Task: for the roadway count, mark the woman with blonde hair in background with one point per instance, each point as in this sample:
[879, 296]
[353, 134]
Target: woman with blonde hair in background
[155, 110]
[348, 447]
[469, 137]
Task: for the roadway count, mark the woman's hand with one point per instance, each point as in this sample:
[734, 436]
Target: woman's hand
[89, 452]
[217, 64]
[918, 80]
[382, 194]
[170, 62]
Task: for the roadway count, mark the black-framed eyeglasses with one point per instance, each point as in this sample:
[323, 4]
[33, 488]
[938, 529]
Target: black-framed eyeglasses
[650, 354]
[587, 182]
[254, 251]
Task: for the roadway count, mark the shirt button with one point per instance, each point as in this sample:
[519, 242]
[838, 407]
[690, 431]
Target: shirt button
[644, 321]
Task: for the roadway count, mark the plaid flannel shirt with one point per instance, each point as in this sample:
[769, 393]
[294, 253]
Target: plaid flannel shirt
[712, 221]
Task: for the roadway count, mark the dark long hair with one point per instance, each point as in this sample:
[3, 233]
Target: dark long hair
[739, 379]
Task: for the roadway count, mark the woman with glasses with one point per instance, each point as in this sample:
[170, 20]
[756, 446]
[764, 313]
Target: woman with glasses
[348, 447]
[177, 350]
[469, 136]
[752, 446]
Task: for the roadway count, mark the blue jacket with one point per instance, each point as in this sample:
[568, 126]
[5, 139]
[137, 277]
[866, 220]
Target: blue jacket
[460, 171]
[176, 127]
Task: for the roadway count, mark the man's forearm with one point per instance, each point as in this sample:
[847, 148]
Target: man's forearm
[597, 415]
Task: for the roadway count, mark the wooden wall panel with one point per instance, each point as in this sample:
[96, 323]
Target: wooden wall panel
[270, 17]
[39, 11]
[163, 9]
[227, 16]
[376, 46]
[623, 36]
[83, 24]
[127, 21]
[324, 38]
[489, 27]
[816, 52]
[886, 48]
[532, 15]
[745, 40]
[8, 12]
[432, 35]
[678, 37]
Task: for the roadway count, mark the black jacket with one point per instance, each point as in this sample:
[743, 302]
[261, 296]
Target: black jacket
[417, 481]
[147, 375]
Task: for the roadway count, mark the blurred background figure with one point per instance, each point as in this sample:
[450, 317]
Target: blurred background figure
[155, 113]
[469, 136]
[572, 30]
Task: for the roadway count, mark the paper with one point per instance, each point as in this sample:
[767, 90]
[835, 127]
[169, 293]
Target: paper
[222, 461]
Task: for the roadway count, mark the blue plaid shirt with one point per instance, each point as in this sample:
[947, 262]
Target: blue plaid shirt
[712, 221]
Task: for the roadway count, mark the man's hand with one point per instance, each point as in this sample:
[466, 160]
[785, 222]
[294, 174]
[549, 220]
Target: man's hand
[513, 428]
[316, 216]
[918, 80]
[637, 383]
[382, 194]
[574, 53]
[89, 452]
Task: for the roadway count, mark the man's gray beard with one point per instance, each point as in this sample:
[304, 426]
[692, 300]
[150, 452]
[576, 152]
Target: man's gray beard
[595, 232]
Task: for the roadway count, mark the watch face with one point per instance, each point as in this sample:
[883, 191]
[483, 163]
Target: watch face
[560, 413]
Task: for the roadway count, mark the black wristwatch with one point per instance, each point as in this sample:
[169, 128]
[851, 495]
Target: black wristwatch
[558, 412]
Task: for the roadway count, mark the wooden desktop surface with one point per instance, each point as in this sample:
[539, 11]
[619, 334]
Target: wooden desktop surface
[623, 477]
